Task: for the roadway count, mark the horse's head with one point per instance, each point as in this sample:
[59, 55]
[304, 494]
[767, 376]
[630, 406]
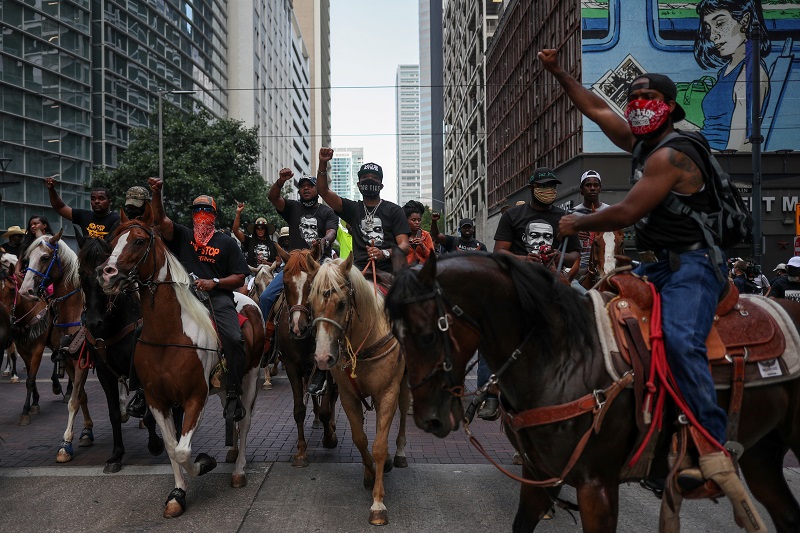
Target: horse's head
[437, 347]
[134, 242]
[92, 254]
[50, 262]
[301, 267]
[262, 276]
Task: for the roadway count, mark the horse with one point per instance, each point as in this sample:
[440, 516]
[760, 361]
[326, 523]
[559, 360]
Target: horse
[177, 356]
[544, 333]
[262, 275]
[109, 332]
[41, 320]
[295, 343]
[354, 340]
[8, 290]
[604, 255]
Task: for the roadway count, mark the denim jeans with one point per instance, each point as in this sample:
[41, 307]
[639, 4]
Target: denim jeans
[483, 372]
[270, 294]
[689, 299]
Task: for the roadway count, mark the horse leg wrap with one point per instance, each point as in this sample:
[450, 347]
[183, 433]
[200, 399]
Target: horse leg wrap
[718, 467]
[207, 463]
[179, 495]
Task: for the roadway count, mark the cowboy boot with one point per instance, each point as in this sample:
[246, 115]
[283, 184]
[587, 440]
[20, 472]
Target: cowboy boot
[137, 407]
[718, 467]
[317, 383]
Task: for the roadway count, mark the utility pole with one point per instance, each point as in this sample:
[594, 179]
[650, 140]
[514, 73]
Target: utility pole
[755, 137]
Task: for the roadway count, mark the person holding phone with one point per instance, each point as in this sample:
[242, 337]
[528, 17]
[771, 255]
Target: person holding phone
[420, 242]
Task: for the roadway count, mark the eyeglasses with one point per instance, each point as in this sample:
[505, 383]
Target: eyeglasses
[203, 208]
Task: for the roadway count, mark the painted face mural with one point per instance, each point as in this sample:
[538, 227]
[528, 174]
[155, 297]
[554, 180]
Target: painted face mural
[537, 233]
[372, 228]
[308, 228]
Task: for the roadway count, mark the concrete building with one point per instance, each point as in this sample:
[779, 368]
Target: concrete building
[269, 77]
[407, 128]
[431, 106]
[605, 45]
[467, 28]
[313, 17]
[343, 173]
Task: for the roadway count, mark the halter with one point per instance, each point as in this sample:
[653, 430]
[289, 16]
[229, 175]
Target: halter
[42, 287]
[133, 276]
[303, 309]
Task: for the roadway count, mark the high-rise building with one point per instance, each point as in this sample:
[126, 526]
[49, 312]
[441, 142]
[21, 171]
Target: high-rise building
[467, 28]
[77, 76]
[430, 103]
[269, 78]
[407, 123]
[314, 18]
[343, 173]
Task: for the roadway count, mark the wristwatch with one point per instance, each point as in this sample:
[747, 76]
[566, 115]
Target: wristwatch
[216, 282]
[386, 253]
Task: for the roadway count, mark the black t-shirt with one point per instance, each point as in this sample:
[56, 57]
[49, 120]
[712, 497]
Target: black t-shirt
[746, 286]
[307, 223]
[255, 248]
[388, 221]
[457, 244]
[11, 249]
[220, 258]
[93, 226]
[527, 229]
[783, 288]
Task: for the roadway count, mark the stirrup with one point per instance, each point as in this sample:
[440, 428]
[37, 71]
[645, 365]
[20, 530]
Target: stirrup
[234, 408]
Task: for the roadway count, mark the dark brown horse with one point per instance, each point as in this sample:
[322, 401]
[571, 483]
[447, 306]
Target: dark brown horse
[177, 356]
[296, 347]
[454, 305]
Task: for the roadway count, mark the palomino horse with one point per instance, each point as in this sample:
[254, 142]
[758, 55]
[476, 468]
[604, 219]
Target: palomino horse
[42, 320]
[605, 247]
[546, 334]
[262, 275]
[296, 347]
[354, 340]
[109, 326]
[7, 292]
[177, 356]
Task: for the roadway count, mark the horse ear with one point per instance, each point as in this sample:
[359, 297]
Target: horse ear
[398, 259]
[147, 217]
[347, 265]
[428, 273]
[311, 263]
[123, 217]
[283, 254]
[316, 250]
[79, 236]
[57, 237]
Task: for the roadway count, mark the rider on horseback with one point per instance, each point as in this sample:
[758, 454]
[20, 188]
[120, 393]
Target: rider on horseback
[220, 266]
[676, 257]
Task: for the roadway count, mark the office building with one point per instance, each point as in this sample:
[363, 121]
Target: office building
[407, 124]
[343, 172]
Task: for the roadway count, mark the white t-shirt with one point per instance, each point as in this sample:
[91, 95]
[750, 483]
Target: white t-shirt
[586, 245]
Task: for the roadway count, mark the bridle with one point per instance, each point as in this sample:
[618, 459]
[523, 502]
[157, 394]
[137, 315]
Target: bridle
[41, 289]
[348, 317]
[132, 280]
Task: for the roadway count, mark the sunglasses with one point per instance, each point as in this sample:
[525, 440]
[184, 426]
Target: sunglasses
[203, 208]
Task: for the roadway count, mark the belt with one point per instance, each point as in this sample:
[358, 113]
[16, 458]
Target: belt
[650, 256]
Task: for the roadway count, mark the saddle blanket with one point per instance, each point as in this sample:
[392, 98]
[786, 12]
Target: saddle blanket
[784, 368]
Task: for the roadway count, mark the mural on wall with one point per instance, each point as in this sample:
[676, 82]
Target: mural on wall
[705, 46]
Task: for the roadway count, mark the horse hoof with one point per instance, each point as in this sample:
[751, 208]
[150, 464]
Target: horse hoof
[6, 373]
[330, 443]
[35, 410]
[231, 456]
[267, 386]
[65, 399]
[238, 481]
[57, 390]
[14, 379]
[87, 438]
[387, 467]
[173, 509]
[379, 518]
[24, 420]
[369, 483]
[400, 461]
[124, 418]
[207, 463]
[63, 456]
[274, 370]
[112, 468]
[316, 424]
[156, 446]
[299, 462]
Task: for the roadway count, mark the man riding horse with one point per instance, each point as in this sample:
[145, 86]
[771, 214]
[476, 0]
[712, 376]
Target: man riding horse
[676, 257]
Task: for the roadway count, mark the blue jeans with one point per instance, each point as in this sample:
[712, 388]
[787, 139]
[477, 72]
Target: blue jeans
[689, 299]
[483, 372]
[270, 294]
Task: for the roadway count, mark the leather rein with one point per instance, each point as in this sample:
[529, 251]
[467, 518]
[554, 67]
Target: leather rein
[41, 289]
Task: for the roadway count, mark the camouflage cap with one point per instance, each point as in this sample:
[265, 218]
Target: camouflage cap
[137, 195]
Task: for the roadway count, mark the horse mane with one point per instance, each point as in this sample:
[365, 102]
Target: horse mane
[93, 253]
[68, 258]
[329, 276]
[187, 300]
[296, 263]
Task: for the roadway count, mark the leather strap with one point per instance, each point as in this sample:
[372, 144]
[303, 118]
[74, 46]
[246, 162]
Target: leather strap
[101, 345]
[737, 392]
[638, 353]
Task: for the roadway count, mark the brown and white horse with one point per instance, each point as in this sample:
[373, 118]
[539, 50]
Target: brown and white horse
[355, 341]
[178, 351]
[606, 247]
[8, 291]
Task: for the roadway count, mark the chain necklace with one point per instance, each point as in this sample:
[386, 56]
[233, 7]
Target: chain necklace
[369, 216]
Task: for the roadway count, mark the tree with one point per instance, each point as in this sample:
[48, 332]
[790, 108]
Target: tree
[202, 155]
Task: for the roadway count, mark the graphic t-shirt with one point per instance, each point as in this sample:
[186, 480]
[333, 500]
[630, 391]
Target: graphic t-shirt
[220, 258]
[256, 249]
[380, 224]
[586, 244]
[93, 226]
[527, 230]
[783, 288]
[457, 244]
[307, 223]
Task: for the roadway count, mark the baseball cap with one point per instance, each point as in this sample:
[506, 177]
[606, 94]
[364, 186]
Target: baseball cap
[590, 174]
[662, 84]
[137, 195]
[794, 262]
[781, 266]
[284, 232]
[204, 201]
[261, 221]
[311, 179]
[371, 168]
[543, 175]
[466, 222]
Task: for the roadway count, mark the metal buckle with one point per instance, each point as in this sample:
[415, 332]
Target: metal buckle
[598, 394]
[745, 356]
[443, 323]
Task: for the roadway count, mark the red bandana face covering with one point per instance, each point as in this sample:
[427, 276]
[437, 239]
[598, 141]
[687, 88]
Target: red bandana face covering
[203, 227]
[646, 116]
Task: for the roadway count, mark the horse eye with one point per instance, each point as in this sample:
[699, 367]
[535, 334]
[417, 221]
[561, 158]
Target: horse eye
[427, 339]
[139, 241]
[44, 258]
[340, 305]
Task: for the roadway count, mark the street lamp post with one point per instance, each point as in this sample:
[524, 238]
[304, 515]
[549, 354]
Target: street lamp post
[161, 94]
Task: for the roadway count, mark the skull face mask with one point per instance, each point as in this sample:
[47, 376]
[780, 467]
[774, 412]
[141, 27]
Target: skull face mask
[372, 228]
[537, 233]
[308, 229]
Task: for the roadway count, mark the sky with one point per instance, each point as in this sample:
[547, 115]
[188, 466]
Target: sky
[369, 39]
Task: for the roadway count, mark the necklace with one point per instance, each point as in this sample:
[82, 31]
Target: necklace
[369, 216]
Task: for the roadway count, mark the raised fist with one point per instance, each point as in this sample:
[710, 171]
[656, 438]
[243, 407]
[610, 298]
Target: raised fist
[549, 59]
[435, 216]
[285, 175]
[50, 182]
[239, 207]
[325, 154]
[155, 184]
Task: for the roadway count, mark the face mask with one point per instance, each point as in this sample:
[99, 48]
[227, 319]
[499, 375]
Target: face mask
[370, 188]
[203, 226]
[131, 211]
[646, 117]
[545, 195]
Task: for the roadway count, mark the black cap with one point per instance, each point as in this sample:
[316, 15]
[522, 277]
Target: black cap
[543, 175]
[371, 168]
[466, 222]
[662, 84]
[310, 179]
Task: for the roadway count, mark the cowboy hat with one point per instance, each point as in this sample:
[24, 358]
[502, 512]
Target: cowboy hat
[13, 230]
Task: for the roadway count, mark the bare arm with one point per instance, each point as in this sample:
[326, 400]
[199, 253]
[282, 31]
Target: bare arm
[237, 222]
[402, 242]
[595, 108]
[160, 220]
[435, 235]
[503, 247]
[330, 236]
[55, 200]
[330, 197]
[274, 195]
